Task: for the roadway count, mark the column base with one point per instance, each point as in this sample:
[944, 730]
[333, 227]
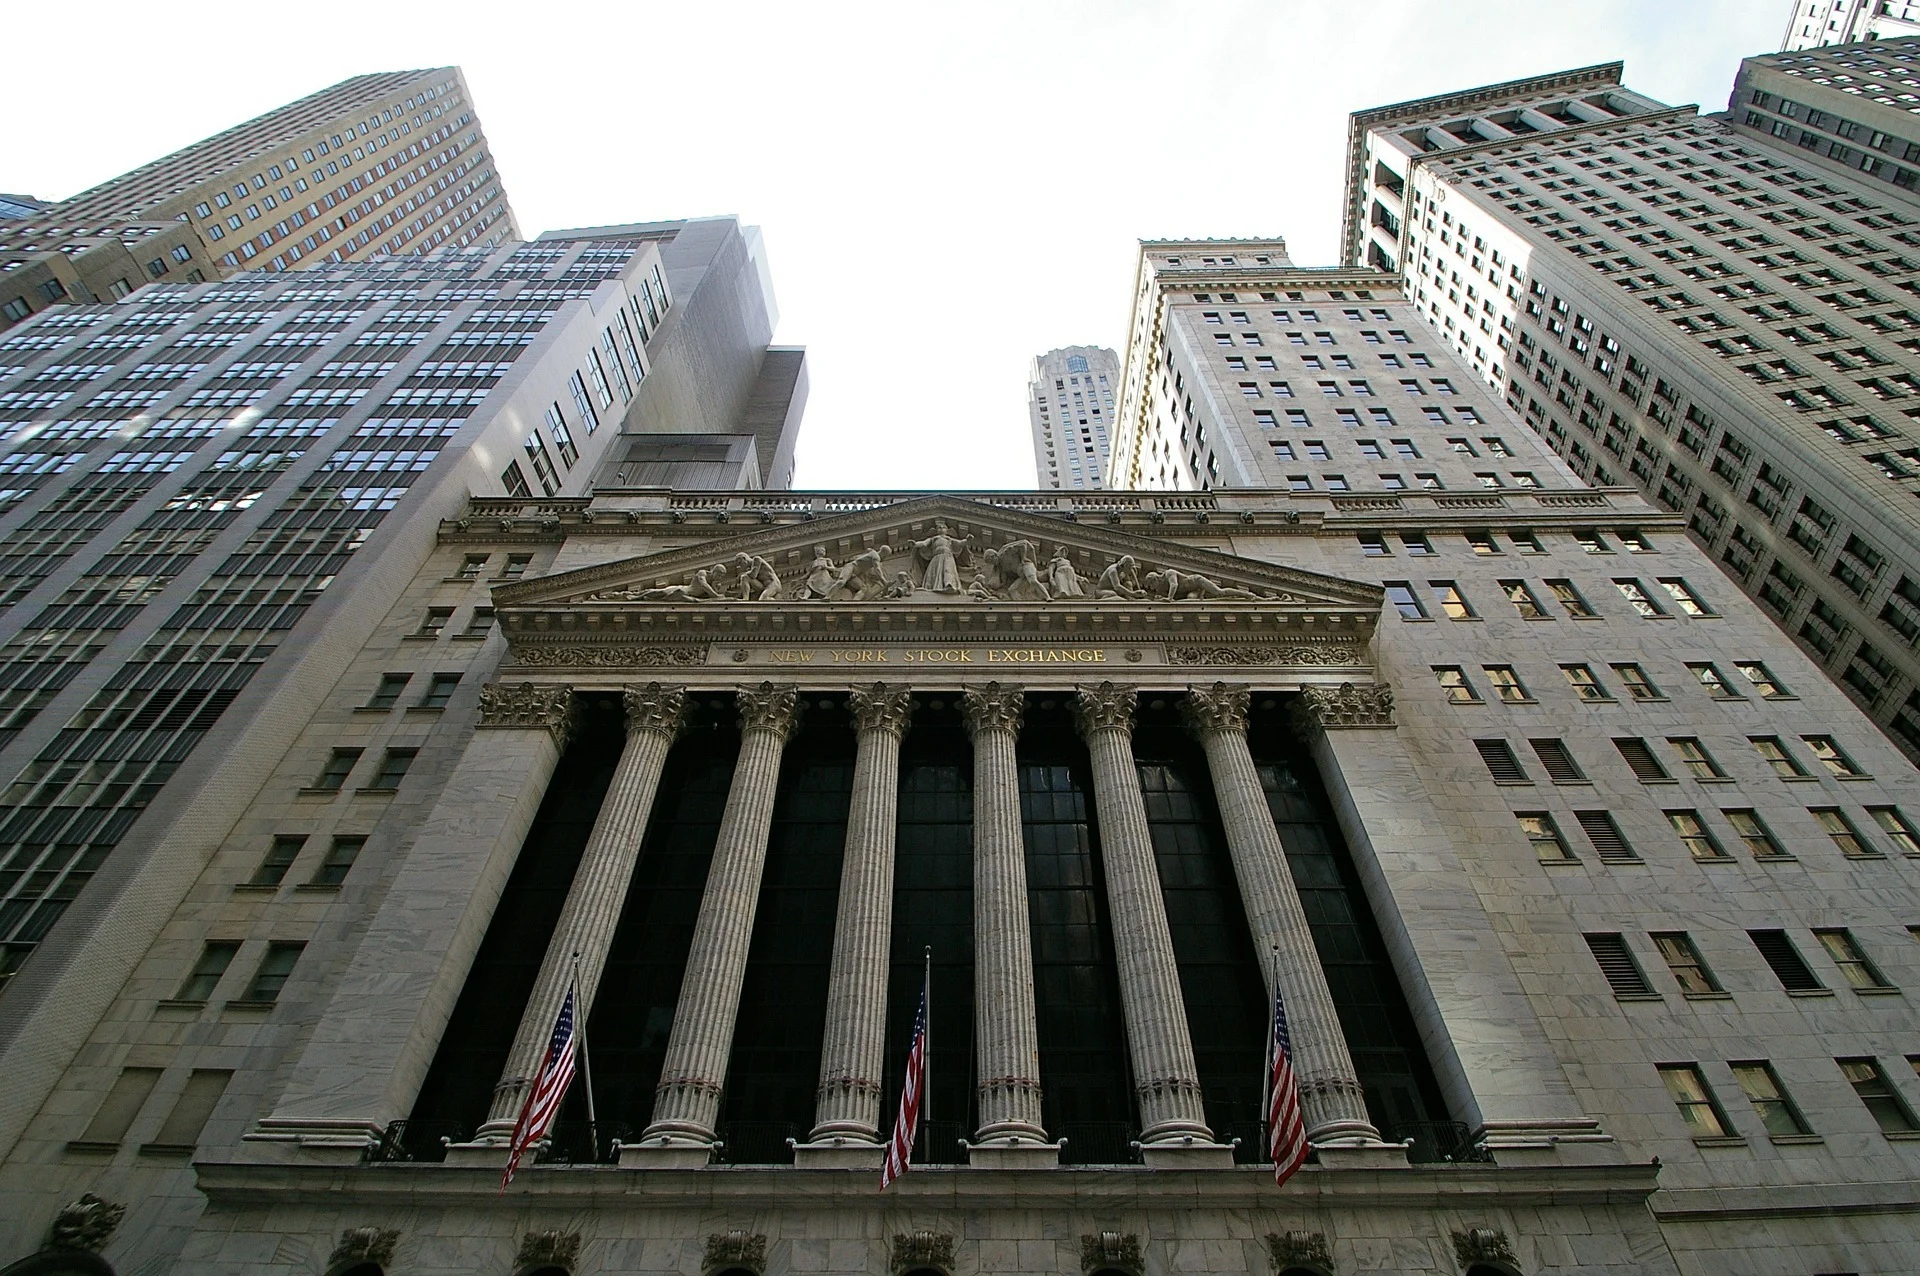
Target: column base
[1362, 1156]
[665, 1153]
[485, 1153]
[327, 1142]
[1187, 1154]
[1012, 1154]
[1550, 1142]
[839, 1154]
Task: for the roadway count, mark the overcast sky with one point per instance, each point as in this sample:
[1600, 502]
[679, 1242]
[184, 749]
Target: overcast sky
[945, 190]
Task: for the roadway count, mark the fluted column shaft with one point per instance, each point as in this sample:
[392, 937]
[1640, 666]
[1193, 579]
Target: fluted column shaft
[1006, 1036]
[599, 892]
[851, 1051]
[688, 1098]
[1165, 1077]
[1331, 1098]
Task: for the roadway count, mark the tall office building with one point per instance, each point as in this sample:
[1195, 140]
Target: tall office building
[388, 163]
[1070, 407]
[1717, 311]
[1812, 23]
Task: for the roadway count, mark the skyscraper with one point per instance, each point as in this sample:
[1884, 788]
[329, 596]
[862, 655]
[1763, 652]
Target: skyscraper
[388, 163]
[1717, 311]
[1812, 23]
[1070, 407]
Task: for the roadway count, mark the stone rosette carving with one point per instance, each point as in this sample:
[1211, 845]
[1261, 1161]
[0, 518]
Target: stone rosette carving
[528, 706]
[1110, 1249]
[86, 1224]
[1344, 707]
[1483, 1245]
[880, 708]
[365, 1245]
[1220, 707]
[992, 707]
[769, 707]
[608, 655]
[1107, 707]
[923, 1249]
[1288, 654]
[548, 1249]
[655, 708]
[736, 1248]
[1292, 1249]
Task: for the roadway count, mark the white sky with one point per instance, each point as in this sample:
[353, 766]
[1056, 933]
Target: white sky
[945, 190]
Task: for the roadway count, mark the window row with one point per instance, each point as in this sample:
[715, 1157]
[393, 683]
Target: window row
[1544, 834]
[1707, 1121]
[439, 690]
[1628, 979]
[263, 989]
[285, 849]
[340, 764]
[1588, 686]
[1673, 594]
[1561, 768]
[1380, 418]
[438, 621]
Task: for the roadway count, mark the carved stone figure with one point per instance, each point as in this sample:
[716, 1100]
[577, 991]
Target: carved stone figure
[753, 577]
[1172, 586]
[860, 578]
[1112, 1250]
[548, 1249]
[1062, 579]
[901, 586]
[365, 1245]
[86, 1224]
[699, 590]
[1120, 580]
[941, 573]
[923, 1249]
[1016, 572]
[736, 1248]
[819, 582]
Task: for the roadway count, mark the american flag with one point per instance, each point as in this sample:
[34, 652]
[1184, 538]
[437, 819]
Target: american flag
[549, 1088]
[1286, 1130]
[907, 1124]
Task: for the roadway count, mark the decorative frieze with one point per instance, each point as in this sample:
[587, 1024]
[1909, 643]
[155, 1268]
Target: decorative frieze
[1483, 1245]
[86, 1224]
[1110, 1250]
[1344, 707]
[548, 1249]
[655, 708]
[364, 1245]
[1300, 653]
[736, 1248]
[528, 706]
[1297, 1249]
[608, 655]
[923, 1249]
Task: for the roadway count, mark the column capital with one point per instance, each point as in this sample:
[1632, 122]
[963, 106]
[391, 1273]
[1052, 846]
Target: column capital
[1107, 707]
[528, 706]
[655, 708]
[881, 708]
[993, 707]
[1344, 707]
[1220, 707]
[770, 706]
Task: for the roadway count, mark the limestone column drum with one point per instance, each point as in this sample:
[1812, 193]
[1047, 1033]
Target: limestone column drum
[1330, 1094]
[654, 716]
[688, 1098]
[852, 1049]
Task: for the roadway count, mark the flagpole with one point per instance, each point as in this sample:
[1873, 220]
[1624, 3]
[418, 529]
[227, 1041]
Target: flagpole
[926, 1065]
[1273, 1044]
[586, 1066]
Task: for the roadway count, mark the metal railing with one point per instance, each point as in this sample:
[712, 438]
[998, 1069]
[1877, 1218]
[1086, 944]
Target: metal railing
[575, 1143]
[416, 1141]
[1437, 1142]
[758, 1142]
[1097, 1143]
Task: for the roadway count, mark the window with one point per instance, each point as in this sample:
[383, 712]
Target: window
[478, 624]
[1684, 597]
[1454, 603]
[388, 692]
[1483, 543]
[1416, 545]
[1638, 685]
[1763, 1090]
[1523, 600]
[1834, 823]
[1585, 685]
[1860, 972]
[1558, 760]
[1540, 830]
[1501, 764]
[1454, 684]
[1769, 687]
[1637, 598]
[1401, 595]
[1700, 764]
[1715, 682]
[279, 858]
[1639, 758]
[1877, 1095]
[1775, 755]
[340, 857]
[1684, 960]
[206, 972]
[1695, 836]
[393, 768]
[1697, 1105]
[1591, 542]
[1506, 684]
[1902, 834]
[271, 977]
[123, 1103]
[1622, 972]
[334, 774]
[1608, 841]
[1785, 961]
[1565, 594]
[439, 691]
[473, 565]
[1831, 757]
[181, 1130]
[1632, 541]
[433, 622]
[1373, 544]
[516, 566]
[1754, 832]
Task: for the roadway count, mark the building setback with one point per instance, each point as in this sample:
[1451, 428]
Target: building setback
[1070, 407]
[1812, 23]
[1717, 311]
[378, 164]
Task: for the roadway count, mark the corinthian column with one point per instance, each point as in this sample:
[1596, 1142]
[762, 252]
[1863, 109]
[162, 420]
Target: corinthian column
[655, 715]
[1165, 1078]
[688, 1098]
[1006, 1038]
[847, 1115]
[1330, 1095]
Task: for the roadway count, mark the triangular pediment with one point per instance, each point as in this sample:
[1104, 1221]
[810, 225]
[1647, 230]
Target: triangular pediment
[938, 551]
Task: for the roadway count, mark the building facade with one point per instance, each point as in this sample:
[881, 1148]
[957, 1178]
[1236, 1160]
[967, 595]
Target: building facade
[378, 164]
[1813, 23]
[1715, 310]
[1070, 408]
